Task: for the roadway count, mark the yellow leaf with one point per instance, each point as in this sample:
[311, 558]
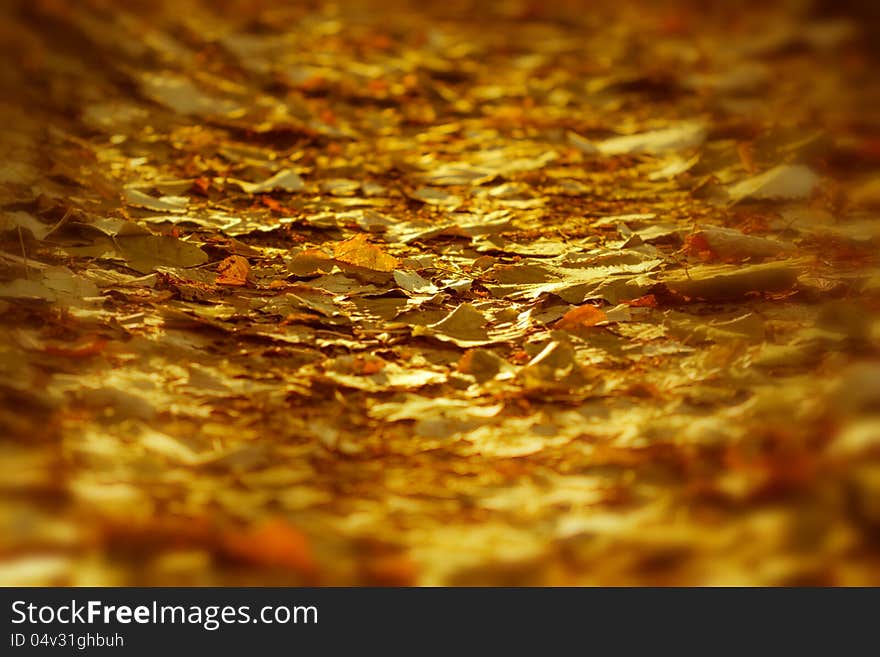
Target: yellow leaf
[359, 252]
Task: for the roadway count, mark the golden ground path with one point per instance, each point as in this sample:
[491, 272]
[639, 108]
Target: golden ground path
[438, 293]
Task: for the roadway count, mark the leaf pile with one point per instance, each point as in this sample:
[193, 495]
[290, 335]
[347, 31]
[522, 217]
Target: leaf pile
[416, 293]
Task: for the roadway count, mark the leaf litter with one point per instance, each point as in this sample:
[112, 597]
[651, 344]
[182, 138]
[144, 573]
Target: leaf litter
[386, 294]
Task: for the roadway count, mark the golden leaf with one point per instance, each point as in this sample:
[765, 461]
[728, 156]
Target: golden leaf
[359, 252]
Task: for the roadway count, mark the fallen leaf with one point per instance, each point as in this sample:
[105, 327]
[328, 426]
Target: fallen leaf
[784, 182]
[432, 196]
[273, 543]
[484, 365]
[181, 95]
[175, 204]
[464, 326]
[412, 282]
[729, 244]
[144, 253]
[310, 262]
[233, 270]
[730, 282]
[678, 138]
[359, 252]
[580, 317]
[286, 180]
[12, 221]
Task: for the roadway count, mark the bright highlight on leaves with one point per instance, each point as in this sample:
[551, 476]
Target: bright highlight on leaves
[359, 252]
[581, 317]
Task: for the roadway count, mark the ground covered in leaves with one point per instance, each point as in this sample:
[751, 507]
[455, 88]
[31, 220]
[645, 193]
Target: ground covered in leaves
[438, 293]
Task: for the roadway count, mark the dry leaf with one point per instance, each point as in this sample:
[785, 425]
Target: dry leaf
[233, 270]
[273, 543]
[779, 183]
[359, 252]
[678, 138]
[581, 317]
[729, 282]
[285, 180]
[464, 326]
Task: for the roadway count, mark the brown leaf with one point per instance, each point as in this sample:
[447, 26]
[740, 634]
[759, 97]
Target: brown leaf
[233, 270]
[647, 301]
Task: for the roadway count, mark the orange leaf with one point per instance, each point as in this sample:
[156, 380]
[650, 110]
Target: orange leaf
[580, 317]
[391, 570]
[520, 357]
[202, 185]
[274, 543]
[233, 271]
[368, 366]
[271, 203]
[647, 301]
[698, 246]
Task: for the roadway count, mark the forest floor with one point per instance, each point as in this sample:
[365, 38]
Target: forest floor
[438, 293]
